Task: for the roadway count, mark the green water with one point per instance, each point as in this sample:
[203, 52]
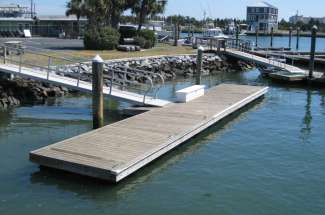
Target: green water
[267, 159]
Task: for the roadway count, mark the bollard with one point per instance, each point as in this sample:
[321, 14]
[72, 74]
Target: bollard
[256, 38]
[290, 37]
[199, 65]
[98, 96]
[194, 45]
[312, 51]
[298, 38]
[272, 32]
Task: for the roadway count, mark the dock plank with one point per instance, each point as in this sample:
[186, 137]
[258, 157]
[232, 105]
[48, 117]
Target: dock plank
[118, 150]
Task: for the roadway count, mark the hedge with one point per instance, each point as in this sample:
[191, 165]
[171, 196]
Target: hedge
[105, 38]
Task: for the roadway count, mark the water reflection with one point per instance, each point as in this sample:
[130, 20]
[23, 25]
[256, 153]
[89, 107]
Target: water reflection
[5, 118]
[103, 192]
[307, 120]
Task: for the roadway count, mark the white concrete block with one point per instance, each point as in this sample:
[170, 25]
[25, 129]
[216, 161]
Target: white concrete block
[190, 93]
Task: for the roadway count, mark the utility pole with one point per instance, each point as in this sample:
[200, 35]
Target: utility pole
[31, 8]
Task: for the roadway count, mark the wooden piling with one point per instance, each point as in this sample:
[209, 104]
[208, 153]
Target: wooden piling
[4, 54]
[199, 65]
[272, 32]
[256, 38]
[312, 51]
[218, 47]
[237, 35]
[175, 35]
[298, 38]
[290, 37]
[98, 96]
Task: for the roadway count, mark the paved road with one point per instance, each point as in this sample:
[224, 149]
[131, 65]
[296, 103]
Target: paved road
[48, 43]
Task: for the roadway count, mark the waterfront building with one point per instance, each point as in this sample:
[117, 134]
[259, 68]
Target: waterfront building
[14, 19]
[262, 16]
[299, 18]
[14, 11]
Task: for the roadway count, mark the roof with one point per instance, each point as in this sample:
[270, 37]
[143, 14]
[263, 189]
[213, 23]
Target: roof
[60, 18]
[11, 6]
[16, 19]
[262, 4]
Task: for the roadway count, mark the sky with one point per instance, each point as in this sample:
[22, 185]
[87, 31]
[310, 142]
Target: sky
[196, 8]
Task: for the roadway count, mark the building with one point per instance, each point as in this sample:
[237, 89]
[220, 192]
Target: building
[299, 18]
[14, 11]
[14, 19]
[263, 17]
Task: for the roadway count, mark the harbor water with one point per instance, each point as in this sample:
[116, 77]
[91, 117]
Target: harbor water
[283, 42]
[266, 159]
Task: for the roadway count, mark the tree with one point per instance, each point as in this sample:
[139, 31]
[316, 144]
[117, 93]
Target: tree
[145, 8]
[117, 7]
[100, 13]
[75, 7]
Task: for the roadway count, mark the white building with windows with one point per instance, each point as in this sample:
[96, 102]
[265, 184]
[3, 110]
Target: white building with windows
[298, 18]
[262, 16]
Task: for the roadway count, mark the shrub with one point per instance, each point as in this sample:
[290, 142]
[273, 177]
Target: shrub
[140, 41]
[105, 38]
[149, 36]
[148, 44]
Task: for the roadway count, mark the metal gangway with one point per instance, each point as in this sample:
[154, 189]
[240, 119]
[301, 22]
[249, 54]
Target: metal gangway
[243, 49]
[135, 86]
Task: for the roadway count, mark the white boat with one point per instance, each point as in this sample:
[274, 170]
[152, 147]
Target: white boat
[214, 33]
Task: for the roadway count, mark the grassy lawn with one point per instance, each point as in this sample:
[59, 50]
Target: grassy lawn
[41, 58]
[160, 49]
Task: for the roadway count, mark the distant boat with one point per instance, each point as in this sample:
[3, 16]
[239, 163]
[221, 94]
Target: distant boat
[214, 33]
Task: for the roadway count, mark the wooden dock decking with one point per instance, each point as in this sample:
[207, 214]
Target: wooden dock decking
[118, 150]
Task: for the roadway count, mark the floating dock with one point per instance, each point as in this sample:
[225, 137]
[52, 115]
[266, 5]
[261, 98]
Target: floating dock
[114, 152]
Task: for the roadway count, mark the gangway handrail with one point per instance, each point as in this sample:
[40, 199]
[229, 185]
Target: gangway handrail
[57, 70]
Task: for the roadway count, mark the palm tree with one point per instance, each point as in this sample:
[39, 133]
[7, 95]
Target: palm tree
[100, 12]
[145, 8]
[76, 7]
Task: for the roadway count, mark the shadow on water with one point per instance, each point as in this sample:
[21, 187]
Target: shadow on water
[102, 191]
